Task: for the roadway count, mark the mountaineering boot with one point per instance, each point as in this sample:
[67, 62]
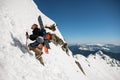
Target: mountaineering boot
[39, 57]
[41, 60]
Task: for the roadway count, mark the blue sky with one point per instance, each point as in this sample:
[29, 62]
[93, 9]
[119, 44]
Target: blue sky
[85, 21]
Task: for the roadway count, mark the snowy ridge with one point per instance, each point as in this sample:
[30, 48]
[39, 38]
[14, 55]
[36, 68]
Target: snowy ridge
[16, 63]
[100, 66]
[111, 61]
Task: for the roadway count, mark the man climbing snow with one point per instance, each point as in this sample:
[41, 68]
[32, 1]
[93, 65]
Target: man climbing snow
[38, 43]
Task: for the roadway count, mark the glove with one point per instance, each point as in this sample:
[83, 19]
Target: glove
[27, 35]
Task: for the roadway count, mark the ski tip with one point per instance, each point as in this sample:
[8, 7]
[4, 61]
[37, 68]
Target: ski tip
[39, 16]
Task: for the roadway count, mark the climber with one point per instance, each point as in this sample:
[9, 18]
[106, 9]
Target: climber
[38, 43]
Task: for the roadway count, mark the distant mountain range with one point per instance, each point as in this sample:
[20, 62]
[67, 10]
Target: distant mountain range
[86, 49]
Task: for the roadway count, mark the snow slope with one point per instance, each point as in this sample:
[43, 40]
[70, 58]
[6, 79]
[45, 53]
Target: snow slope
[16, 63]
[100, 66]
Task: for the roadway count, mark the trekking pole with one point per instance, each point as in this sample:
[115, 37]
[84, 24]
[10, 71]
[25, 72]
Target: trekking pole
[26, 39]
[27, 44]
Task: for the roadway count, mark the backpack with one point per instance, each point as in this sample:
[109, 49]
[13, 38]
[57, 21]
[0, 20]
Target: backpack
[48, 36]
[41, 32]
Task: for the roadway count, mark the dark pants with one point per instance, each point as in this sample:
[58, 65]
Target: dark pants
[34, 44]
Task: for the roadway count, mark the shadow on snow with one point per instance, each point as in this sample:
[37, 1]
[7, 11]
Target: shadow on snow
[20, 45]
